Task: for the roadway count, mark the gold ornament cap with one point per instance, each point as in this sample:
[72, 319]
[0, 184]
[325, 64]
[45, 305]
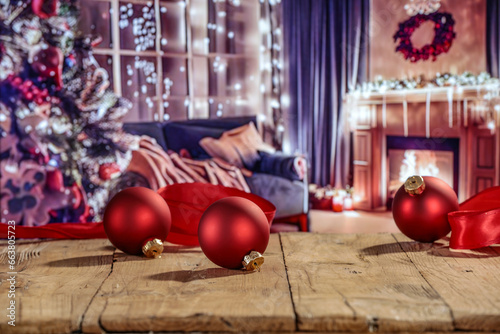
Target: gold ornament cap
[153, 248]
[253, 261]
[414, 185]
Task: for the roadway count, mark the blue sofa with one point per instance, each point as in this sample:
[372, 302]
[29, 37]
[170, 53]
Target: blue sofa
[288, 195]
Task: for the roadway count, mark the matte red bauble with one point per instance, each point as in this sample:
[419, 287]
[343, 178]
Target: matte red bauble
[45, 8]
[421, 206]
[232, 232]
[137, 221]
[48, 63]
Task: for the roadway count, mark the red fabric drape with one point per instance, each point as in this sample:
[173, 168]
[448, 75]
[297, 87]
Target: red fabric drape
[187, 202]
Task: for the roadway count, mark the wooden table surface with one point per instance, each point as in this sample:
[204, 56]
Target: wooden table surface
[309, 282]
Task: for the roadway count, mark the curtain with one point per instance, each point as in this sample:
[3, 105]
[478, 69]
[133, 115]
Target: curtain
[493, 37]
[325, 49]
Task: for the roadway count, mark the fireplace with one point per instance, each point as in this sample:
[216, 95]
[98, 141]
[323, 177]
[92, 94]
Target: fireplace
[429, 131]
[407, 156]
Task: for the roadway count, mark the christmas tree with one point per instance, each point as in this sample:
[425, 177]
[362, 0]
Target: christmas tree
[61, 138]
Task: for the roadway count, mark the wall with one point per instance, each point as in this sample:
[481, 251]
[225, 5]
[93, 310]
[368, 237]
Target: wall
[468, 52]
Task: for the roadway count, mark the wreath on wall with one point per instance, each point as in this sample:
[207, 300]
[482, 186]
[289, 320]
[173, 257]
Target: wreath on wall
[443, 38]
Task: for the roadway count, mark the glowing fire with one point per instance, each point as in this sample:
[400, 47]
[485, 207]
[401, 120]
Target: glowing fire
[418, 162]
[405, 163]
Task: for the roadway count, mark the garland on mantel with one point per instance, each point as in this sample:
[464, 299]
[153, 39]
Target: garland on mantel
[440, 80]
[488, 115]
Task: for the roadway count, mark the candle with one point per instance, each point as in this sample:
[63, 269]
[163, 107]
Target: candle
[338, 203]
[348, 204]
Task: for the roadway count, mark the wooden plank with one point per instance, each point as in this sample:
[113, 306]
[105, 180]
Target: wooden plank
[55, 282]
[468, 281]
[359, 283]
[184, 291]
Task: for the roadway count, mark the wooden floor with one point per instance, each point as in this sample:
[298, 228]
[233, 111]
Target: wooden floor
[352, 222]
[309, 282]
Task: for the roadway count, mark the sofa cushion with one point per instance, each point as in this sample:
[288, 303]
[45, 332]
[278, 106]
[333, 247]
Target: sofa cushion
[239, 146]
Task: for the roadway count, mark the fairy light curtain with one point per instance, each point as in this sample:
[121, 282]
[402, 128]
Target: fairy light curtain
[325, 47]
[188, 59]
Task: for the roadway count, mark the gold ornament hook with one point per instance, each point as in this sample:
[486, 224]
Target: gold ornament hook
[253, 261]
[153, 248]
[415, 185]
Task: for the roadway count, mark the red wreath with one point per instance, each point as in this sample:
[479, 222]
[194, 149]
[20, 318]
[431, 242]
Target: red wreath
[443, 38]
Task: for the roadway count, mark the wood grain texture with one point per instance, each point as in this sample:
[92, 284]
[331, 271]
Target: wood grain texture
[467, 280]
[359, 283]
[55, 282]
[184, 291]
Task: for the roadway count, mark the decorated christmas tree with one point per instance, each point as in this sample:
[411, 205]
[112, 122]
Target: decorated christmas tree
[61, 138]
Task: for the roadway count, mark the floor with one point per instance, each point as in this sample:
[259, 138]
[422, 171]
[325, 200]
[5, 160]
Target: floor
[351, 222]
[309, 283]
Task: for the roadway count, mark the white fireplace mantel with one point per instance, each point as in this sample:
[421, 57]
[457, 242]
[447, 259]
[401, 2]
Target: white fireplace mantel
[469, 113]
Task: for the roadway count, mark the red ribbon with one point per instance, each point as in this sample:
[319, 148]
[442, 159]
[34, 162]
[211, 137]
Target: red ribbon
[477, 223]
[187, 202]
[55, 231]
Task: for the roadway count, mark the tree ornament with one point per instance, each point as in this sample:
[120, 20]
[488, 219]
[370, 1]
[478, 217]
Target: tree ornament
[233, 233]
[108, 171]
[137, 221]
[54, 180]
[421, 206]
[48, 63]
[45, 8]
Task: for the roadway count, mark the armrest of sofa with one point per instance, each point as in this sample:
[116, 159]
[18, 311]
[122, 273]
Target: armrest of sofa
[291, 198]
[277, 179]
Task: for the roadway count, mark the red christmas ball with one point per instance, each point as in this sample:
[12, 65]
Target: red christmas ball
[421, 206]
[232, 228]
[137, 220]
[45, 8]
[48, 63]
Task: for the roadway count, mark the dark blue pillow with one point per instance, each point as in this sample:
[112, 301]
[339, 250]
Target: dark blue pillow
[180, 135]
[187, 134]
